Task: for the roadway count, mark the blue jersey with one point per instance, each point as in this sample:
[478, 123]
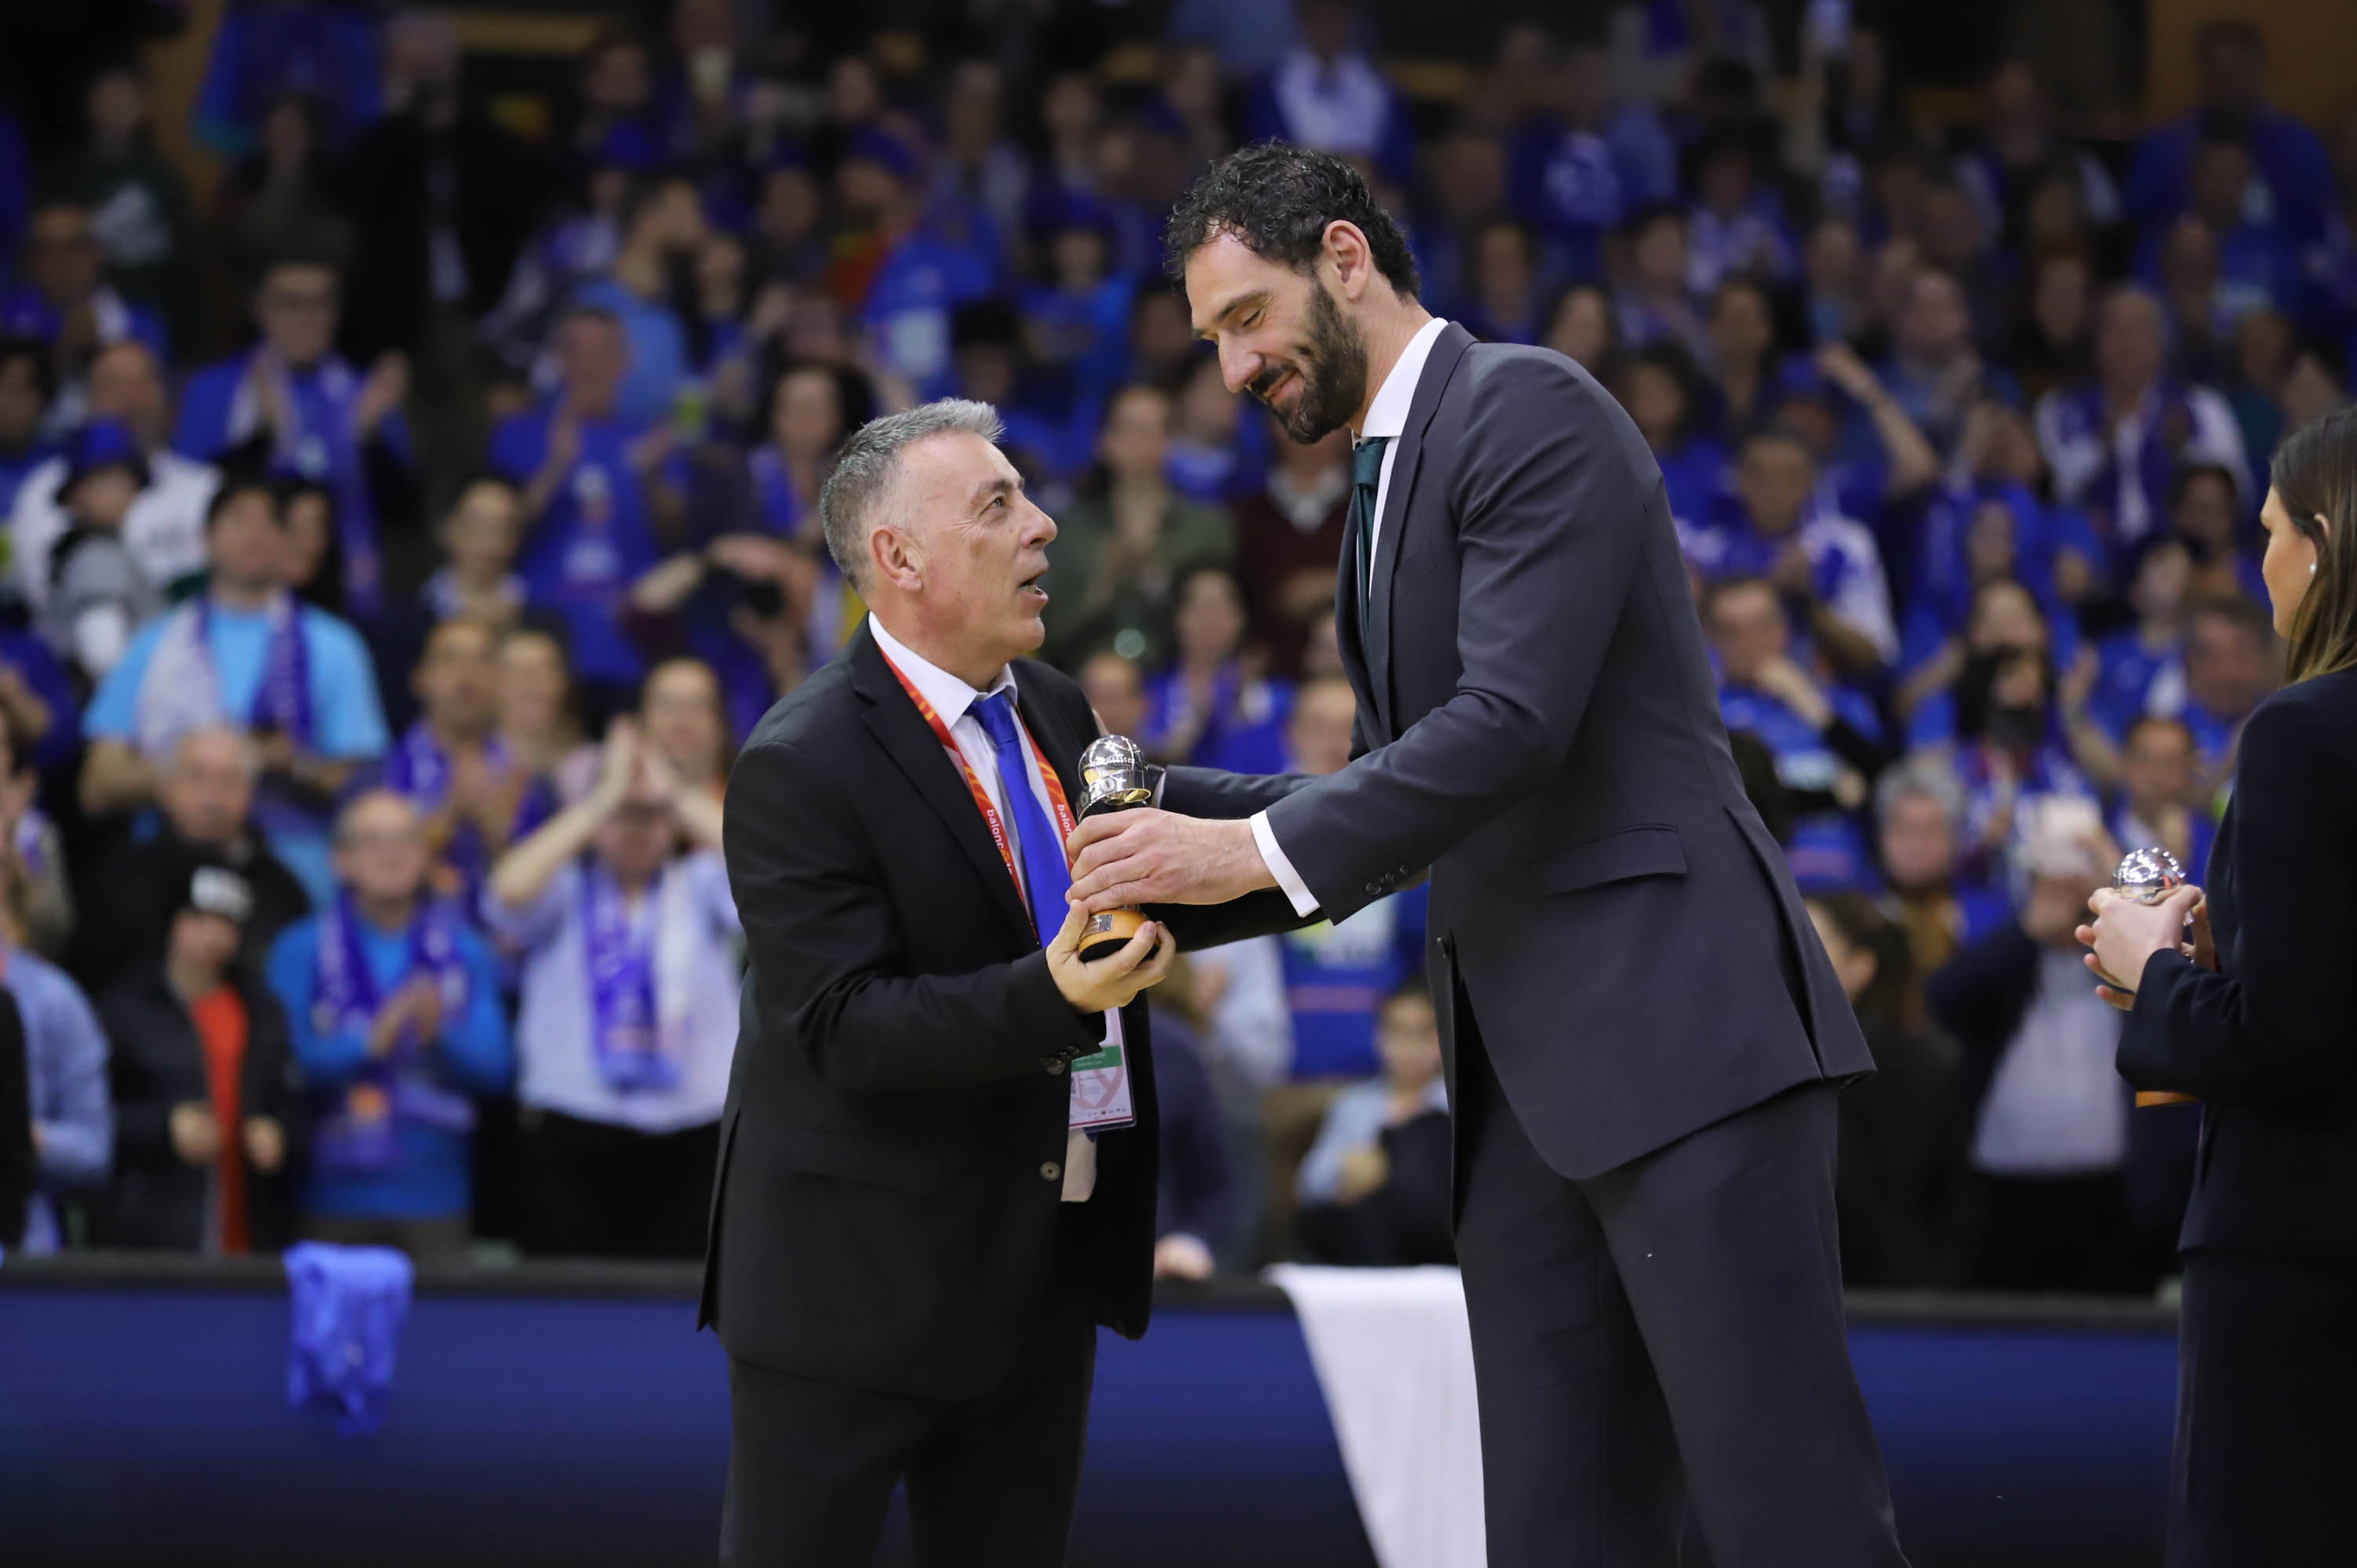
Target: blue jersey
[1336, 978]
[592, 541]
[262, 52]
[659, 357]
[221, 410]
[1829, 850]
[940, 266]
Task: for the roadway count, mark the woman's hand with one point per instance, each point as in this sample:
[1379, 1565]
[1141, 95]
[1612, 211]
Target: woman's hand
[2126, 934]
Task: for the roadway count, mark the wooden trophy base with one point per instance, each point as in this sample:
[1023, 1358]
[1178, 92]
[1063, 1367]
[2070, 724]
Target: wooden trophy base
[1109, 932]
[2150, 1097]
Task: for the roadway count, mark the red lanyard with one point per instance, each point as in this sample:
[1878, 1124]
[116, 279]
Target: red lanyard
[1064, 821]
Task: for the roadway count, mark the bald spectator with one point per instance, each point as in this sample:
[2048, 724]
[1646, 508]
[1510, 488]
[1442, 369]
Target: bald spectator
[204, 798]
[395, 1010]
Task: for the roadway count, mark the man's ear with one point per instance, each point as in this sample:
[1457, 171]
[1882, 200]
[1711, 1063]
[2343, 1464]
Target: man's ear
[891, 557]
[1353, 259]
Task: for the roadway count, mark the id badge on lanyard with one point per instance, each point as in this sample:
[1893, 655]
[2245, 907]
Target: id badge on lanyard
[1101, 1091]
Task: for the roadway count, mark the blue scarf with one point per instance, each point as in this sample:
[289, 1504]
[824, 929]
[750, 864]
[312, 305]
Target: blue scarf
[359, 1136]
[626, 1037]
[283, 701]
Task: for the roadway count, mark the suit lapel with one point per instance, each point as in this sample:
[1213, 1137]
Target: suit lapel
[912, 744]
[1406, 460]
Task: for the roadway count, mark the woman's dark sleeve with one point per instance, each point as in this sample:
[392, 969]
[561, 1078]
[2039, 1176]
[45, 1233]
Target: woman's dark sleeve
[2274, 1026]
[1861, 751]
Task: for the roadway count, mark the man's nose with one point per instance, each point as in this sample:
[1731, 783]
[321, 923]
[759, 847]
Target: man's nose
[1043, 527]
[1238, 366]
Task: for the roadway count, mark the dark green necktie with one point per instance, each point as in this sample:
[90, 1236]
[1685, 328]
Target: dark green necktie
[1366, 477]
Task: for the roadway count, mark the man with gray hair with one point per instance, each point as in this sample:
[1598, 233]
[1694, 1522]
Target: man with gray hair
[127, 895]
[937, 1158]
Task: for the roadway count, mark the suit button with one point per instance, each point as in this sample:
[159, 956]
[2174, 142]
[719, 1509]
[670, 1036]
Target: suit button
[1050, 1171]
[1374, 889]
[1057, 1065]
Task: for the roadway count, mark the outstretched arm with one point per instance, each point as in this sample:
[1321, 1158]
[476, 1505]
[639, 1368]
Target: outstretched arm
[1551, 504]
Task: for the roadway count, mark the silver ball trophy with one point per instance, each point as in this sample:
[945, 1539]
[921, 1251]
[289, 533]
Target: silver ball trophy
[2148, 876]
[1112, 779]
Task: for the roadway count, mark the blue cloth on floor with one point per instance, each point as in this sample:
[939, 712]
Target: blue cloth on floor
[348, 1304]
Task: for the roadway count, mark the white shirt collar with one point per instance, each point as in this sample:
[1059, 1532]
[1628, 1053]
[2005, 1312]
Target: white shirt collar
[949, 694]
[1387, 415]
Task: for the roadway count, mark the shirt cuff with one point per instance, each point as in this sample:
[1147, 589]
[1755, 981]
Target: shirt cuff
[1305, 903]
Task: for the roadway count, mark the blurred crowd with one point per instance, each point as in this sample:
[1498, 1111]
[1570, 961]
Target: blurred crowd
[398, 542]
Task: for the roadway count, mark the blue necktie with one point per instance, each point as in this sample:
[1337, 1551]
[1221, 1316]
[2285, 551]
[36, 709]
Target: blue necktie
[1047, 874]
[1366, 478]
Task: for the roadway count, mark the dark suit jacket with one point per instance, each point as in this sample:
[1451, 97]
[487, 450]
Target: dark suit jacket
[886, 1205]
[2269, 1041]
[1540, 728]
[156, 1061]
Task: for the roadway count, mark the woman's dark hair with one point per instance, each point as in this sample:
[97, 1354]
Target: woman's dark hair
[1882, 1006]
[725, 746]
[2315, 475]
[1277, 201]
[1673, 361]
[325, 590]
[855, 394]
[239, 480]
[1573, 290]
[35, 353]
[1098, 480]
[1976, 687]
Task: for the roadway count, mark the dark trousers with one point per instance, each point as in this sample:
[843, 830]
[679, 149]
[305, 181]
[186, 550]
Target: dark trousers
[992, 1481]
[2265, 1443]
[1668, 1331]
[589, 1189]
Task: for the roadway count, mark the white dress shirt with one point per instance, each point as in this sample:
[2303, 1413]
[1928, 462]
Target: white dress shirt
[953, 700]
[1387, 418]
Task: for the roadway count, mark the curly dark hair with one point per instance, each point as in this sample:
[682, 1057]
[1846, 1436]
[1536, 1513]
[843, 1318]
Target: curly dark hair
[1278, 198]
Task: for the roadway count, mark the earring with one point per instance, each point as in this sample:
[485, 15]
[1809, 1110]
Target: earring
[2312, 568]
